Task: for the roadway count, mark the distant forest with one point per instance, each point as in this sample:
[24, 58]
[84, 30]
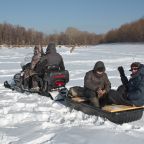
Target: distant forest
[15, 35]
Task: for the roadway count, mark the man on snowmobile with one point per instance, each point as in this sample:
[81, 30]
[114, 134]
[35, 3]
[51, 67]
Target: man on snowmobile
[97, 85]
[51, 61]
[132, 90]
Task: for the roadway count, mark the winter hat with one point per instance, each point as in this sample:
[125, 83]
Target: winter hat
[37, 49]
[99, 66]
[135, 64]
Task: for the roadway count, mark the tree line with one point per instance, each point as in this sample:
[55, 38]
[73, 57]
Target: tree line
[18, 35]
[131, 32]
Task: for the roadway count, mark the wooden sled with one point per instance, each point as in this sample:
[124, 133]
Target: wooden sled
[118, 114]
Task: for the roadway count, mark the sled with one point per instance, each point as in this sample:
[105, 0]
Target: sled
[118, 114]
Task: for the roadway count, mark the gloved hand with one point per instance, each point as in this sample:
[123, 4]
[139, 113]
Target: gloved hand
[121, 71]
[101, 93]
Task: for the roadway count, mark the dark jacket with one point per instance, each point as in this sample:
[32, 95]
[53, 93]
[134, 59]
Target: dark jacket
[54, 58]
[135, 87]
[93, 81]
[50, 58]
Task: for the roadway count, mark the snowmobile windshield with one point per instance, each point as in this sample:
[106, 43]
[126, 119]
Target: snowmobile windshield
[27, 59]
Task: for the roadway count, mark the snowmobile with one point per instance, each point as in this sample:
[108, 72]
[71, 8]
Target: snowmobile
[118, 114]
[57, 79]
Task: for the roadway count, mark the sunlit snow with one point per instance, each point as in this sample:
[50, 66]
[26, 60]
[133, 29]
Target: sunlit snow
[33, 119]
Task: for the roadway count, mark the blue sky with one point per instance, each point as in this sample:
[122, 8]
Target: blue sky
[54, 16]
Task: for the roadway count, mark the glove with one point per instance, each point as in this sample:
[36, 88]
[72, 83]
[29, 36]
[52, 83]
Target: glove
[121, 71]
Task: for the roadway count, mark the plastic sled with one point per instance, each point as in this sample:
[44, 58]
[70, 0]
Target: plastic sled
[118, 114]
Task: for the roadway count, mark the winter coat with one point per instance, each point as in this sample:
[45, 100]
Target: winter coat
[93, 81]
[36, 57]
[29, 69]
[50, 58]
[135, 88]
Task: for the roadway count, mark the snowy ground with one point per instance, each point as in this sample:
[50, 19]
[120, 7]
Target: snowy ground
[32, 119]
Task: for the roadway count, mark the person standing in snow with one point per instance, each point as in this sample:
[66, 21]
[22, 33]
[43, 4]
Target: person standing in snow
[97, 85]
[132, 90]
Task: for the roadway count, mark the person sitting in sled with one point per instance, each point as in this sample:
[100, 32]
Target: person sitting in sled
[29, 71]
[51, 60]
[131, 92]
[97, 85]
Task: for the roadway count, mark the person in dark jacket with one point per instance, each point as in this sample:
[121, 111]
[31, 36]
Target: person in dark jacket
[132, 90]
[97, 85]
[54, 58]
[51, 58]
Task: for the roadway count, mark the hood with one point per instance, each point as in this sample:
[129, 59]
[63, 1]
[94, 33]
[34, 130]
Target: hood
[37, 50]
[98, 65]
[51, 48]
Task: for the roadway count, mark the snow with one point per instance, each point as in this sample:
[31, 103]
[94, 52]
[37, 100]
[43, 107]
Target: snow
[33, 119]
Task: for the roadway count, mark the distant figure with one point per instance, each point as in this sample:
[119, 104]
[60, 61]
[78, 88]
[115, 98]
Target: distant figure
[72, 49]
[97, 85]
[132, 90]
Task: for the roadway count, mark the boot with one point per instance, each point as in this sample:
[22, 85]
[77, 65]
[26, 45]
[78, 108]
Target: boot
[44, 89]
[35, 87]
[26, 84]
